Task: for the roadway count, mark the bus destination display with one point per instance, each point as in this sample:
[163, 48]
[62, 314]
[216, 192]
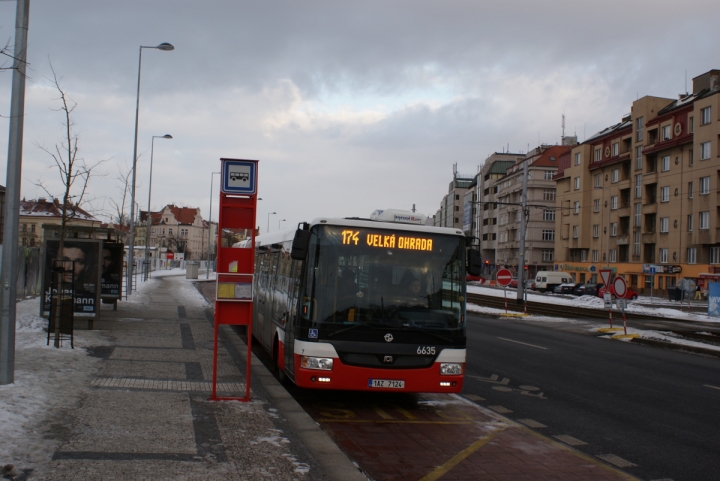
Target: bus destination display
[388, 241]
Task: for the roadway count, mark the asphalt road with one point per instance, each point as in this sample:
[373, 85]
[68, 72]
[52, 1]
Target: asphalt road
[654, 408]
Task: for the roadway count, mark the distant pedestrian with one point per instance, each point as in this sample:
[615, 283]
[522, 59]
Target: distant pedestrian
[698, 293]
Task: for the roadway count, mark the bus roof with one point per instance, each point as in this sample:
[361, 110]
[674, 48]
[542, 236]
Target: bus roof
[288, 235]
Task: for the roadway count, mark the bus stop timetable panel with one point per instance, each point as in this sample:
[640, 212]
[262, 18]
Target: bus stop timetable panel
[239, 176]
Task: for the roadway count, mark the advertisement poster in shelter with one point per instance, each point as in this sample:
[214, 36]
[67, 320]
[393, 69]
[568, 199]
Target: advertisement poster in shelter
[85, 273]
[112, 266]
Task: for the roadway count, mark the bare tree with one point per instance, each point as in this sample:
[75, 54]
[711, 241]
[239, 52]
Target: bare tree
[74, 174]
[72, 170]
[119, 215]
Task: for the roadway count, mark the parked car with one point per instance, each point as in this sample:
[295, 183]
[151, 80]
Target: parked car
[588, 289]
[514, 282]
[479, 279]
[630, 294]
[548, 280]
[566, 288]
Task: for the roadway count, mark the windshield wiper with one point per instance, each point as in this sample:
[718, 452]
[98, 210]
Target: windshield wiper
[426, 331]
[371, 324]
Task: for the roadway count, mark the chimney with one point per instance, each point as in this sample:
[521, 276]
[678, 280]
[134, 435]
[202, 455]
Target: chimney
[708, 80]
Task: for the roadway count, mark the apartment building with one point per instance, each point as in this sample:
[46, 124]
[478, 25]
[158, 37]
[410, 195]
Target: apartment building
[642, 195]
[36, 213]
[450, 213]
[542, 165]
[485, 215]
[178, 229]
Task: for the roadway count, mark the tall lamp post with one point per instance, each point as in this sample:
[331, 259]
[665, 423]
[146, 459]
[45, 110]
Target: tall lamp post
[149, 213]
[131, 251]
[269, 214]
[207, 276]
[280, 222]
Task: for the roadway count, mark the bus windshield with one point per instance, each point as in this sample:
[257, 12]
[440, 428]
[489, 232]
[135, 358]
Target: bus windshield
[383, 278]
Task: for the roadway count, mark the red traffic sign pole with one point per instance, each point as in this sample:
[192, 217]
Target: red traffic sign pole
[504, 277]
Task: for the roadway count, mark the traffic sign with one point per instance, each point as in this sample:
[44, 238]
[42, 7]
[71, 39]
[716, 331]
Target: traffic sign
[239, 176]
[605, 276]
[620, 287]
[504, 277]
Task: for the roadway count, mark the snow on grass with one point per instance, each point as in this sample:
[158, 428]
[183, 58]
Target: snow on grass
[594, 302]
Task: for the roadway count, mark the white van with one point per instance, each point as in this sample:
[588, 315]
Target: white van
[547, 280]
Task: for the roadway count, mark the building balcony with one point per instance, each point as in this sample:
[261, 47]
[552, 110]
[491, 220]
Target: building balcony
[622, 240]
[705, 237]
[649, 238]
[649, 208]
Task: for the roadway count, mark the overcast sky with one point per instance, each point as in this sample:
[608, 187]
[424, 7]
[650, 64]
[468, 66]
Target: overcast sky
[349, 106]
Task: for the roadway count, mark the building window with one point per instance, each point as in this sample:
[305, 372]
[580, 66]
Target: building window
[638, 186]
[595, 256]
[616, 149]
[691, 157]
[705, 220]
[576, 208]
[690, 190]
[666, 132]
[613, 202]
[596, 230]
[576, 232]
[613, 229]
[548, 174]
[577, 183]
[548, 215]
[638, 214]
[548, 235]
[663, 256]
[665, 194]
[715, 255]
[549, 194]
[598, 154]
[664, 224]
[666, 163]
[596, 205]
[704, 185]
[639, 124]
[636, 243]
[547, 255]
[583, 255]
[691, 255]
[692, 124]
[705, 151]
[690, 222]
[615, 175]
[638, 157]
[613, 255]
[577, 158]
[598, 180]
[705, 116]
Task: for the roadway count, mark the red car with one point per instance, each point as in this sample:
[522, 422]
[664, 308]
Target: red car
[630, 294]
[479, 279]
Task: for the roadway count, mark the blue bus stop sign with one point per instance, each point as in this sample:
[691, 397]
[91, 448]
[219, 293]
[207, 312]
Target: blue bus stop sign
[239, 176]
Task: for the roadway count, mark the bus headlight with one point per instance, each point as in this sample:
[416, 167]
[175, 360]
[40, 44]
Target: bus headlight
[320, 363]
[450, 368]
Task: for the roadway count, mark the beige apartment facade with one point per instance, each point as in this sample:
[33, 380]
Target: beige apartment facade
[642, 195]
[177, 229]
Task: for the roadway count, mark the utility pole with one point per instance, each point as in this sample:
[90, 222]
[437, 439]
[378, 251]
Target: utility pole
[523, 227]
[8, 277]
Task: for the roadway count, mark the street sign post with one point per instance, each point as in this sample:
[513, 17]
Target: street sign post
[620, 288]
[504, 277]
[605, 275]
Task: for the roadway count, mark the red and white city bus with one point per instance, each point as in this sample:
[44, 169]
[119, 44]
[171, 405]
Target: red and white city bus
[364, 304]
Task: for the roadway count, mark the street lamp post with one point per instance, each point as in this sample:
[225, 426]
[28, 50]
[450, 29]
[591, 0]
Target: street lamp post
[207, 276]
[149, 213]
[280, 222]
[131, 251]
[268, 227]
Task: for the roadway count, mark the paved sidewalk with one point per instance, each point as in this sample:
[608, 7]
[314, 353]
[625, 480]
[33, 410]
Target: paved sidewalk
[145, 415]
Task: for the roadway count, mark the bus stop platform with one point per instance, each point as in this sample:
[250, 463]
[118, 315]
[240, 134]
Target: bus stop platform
[141, 411]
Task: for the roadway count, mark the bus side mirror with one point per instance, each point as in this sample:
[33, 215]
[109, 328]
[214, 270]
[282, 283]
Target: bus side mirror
[475, 262]
[300, 244]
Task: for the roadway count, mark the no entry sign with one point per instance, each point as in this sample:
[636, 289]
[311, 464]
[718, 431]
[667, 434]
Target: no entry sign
[504, 277]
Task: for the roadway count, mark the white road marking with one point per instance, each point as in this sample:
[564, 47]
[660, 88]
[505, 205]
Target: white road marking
[523, 343]
[500, 409]
[616, 460]
[569, 440]
[531, 423]
[474, 397]
[712, 387]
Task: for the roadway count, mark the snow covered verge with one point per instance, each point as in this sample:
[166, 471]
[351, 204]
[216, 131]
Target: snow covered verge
[662, 307]
[593, 325]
